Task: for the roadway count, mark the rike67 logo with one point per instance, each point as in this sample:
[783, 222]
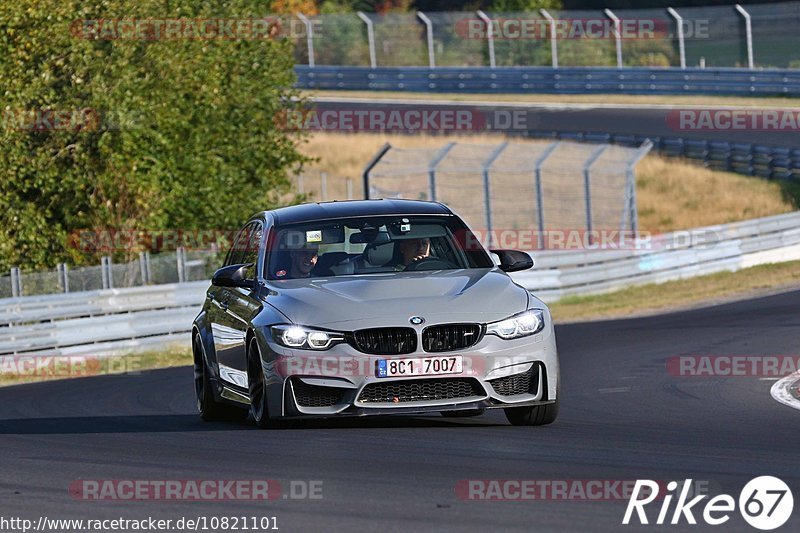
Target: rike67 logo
[765, 503]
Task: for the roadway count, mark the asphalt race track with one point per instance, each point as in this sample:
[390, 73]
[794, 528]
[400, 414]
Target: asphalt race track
[641, 120]
[623, 417]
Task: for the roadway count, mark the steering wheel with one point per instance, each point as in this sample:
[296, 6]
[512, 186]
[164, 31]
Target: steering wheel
[428, 263]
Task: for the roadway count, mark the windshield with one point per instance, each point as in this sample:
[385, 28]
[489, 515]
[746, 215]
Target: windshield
[372, 245]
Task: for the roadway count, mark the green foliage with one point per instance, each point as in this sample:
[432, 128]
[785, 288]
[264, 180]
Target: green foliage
[186, 135]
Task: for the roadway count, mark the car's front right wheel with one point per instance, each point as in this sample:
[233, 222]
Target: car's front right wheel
[207, 405]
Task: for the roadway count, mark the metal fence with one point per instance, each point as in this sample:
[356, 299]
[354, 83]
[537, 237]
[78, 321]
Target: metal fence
[543, 186]
[149, 269]
[755, 36]
[772, 162]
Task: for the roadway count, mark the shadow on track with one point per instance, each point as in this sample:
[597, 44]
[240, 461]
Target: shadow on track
[192, 423]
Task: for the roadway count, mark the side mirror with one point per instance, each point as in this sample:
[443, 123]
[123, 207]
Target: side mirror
[233, 276]
[513, 260]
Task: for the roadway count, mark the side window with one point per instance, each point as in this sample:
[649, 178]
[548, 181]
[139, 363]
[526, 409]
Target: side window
[250, 253]
[239, 247]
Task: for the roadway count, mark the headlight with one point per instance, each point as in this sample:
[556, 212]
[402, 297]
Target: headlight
[521, 325]
[306, 338]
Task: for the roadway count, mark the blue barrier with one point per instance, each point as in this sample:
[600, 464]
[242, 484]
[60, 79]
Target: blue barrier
[573, 80]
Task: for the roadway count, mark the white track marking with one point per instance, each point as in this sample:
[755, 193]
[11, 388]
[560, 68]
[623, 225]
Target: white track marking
[781, 392]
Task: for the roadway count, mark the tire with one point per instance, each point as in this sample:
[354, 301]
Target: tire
[463, 414]
[255, 384]
[535, 415]
[207, 405]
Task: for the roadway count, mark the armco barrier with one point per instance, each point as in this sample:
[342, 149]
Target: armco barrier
[571, 80]
[672, 256]
[111, 320]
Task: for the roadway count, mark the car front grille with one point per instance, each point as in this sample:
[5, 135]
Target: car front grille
[315, 396]
[385, 341]
[522, 383]
[449, 337]
[420, 390]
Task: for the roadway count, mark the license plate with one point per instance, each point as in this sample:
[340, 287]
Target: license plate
[423, 366]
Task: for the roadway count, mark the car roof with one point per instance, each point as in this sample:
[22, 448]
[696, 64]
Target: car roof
[354, 208]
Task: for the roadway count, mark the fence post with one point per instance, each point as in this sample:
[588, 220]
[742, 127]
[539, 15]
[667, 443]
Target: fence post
[617, 35]
[429, 31]
[681, 43]
[553, 36]
[181, 260]
[432, 169]
[349, 185]
[323, 184]
[370, 38]
[748, 26]
[539, 193]
[309, 38]
[144, 266]
[16, 282]
[374, 161]
[489, 36]
[105, 271]
[630, 177]
[487, 190]
[63, 276]
[587, 185]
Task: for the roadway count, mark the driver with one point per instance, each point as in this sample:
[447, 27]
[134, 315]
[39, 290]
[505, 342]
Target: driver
[413, 250]
[303, 261]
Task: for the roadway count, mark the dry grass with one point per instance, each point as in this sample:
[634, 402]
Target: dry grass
[672, 194]
[715, 101]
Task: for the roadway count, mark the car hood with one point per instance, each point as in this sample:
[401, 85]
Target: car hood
[355, 302]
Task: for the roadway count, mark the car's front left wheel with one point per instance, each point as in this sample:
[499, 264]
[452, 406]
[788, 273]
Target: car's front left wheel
[256, 385]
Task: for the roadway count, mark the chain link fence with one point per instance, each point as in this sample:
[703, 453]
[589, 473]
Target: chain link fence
[755, 36]
[149, 269]
[545, 186]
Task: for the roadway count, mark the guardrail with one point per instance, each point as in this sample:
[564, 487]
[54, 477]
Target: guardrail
[570, 80]
[99, 322]
[667, 257]
[113, 320]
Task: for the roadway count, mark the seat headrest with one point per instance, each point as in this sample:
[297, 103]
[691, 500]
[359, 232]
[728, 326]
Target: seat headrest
[379, 254]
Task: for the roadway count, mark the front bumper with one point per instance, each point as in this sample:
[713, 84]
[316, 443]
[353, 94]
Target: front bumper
[341, 381]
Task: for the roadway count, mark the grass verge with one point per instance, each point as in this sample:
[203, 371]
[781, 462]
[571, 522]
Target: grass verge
[679, 294]
[712, 101]
[15, 370]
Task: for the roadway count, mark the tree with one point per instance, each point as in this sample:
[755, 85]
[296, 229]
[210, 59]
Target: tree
[157, 134]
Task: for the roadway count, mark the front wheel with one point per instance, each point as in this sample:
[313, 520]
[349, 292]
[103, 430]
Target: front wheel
[534, 415]
[207, 405]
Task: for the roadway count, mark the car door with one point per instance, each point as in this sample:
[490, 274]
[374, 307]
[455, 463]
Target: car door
[243, 303]
[226, 328]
